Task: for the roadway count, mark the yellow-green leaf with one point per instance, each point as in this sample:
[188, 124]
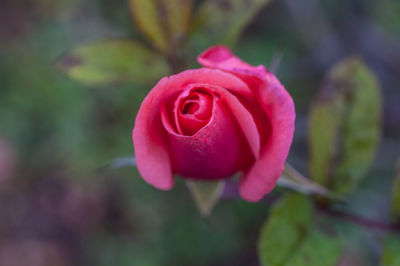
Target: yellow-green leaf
[163, 22]
[317, 249]
[362, 122]
[291, 236]
[113, 61]
[325, 120]
[396, 194]
[205, 194]
[345, 126]
[391, 251]
[222, 21]
[284, 230]
[179, 18]
[146, 15]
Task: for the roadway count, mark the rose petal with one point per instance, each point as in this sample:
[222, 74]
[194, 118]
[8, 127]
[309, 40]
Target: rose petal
[151, 151]
[277, 104]
[149, 137]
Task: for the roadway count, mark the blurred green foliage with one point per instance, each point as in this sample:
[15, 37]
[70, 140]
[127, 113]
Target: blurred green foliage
[113, 61]
[391, 253]
[164, 22]
[292, 236]
[345, 126]
[325, 119]
[396, 193]
[223, 21]
[284, 230]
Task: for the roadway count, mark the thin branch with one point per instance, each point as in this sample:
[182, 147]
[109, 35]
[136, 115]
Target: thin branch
[231, 193]
[361, 221]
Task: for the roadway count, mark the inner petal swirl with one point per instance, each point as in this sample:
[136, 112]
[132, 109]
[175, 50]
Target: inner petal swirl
[193, 110]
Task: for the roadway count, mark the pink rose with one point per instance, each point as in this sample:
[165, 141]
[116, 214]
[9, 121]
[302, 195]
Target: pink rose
[212, 122]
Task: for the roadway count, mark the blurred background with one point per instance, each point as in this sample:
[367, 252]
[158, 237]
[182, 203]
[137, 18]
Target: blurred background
[58, 207]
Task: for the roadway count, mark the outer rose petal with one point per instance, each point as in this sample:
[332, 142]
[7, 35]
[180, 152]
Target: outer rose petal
[277, 105]
[151, 150]
[149, 136]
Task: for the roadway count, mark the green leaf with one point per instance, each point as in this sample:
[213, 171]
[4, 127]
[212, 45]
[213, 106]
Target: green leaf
[179, 18]
[345, 126]
[362, 127]
[325, 120]
[292, 179]
[396, 194]
[391, 251]
[113, 61]
[222, 21]
[205, 194]
[317, 249]
[163, 22]
[290, 236]
[287, 225]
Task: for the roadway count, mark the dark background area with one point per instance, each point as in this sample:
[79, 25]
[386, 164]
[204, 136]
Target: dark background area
[57, 208]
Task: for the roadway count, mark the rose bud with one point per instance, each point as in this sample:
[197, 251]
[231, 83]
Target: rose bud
[209, 123]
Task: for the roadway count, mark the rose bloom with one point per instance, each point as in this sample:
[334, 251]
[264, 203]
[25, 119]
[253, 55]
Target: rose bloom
[209, 123]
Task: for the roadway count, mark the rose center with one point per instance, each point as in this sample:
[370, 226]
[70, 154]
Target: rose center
[190, 107]
[193, 109]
